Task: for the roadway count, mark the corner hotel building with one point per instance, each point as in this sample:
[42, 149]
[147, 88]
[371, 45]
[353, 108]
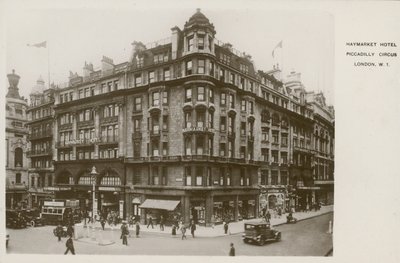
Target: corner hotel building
[187, 127]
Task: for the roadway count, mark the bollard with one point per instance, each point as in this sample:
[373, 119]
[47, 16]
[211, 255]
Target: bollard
[330, 227]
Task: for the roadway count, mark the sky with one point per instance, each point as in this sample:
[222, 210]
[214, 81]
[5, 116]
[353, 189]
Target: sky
[76, 35]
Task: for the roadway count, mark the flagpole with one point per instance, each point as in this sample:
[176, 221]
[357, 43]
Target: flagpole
[48, 62]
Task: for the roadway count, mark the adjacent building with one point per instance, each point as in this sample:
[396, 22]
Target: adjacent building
[187, 127]
[40, 125]
[16, 146]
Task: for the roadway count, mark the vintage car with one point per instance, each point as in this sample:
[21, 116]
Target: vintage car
[32, 218]
[15, 219]
[260, 232]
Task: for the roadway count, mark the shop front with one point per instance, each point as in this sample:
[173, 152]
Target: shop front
[155, 208]
[273, 198]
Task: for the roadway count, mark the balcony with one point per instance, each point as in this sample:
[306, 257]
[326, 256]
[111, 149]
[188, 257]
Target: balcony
[41, 135]
[200, 128]
[109, 120]
[42, 152]
[17, 187]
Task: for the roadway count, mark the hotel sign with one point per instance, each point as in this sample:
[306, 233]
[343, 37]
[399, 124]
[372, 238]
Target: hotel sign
[54, 188]
[104, 188]
[200, 129]
[83, 141]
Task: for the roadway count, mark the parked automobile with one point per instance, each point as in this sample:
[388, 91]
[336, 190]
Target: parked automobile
[33, 218]
[15, 219]
[260, 232]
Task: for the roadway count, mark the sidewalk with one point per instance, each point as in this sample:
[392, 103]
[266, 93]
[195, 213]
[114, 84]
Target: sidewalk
[234, 227]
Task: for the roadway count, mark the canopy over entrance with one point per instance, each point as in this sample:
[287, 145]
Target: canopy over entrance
[168, 205]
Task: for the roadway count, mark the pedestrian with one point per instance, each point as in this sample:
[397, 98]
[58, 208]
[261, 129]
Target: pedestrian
[162, 223]
[59, 230]
[70, 246]
[192, 228]
[226, 227]
[268, 216]
[232, 251]
[124, 233]
[137, 225]
[150, 222]
[183, 230]
[102, 222]
[174, 230]
[70, 230]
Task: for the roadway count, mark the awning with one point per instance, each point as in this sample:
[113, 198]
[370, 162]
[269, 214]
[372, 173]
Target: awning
[168, 205]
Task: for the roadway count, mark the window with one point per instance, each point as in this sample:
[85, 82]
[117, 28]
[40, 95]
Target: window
[251, 107]
[138, 80]
[242, 176]
[81, 96]
[200, 42]
[243, 105]
[137, 104]
[284, 178]
[201, 115]
[243, 128]
[209, 177]
[229, 177]
[231, 125]
[188, 145]
[18, 157]
[284, 140]
[232, 101]
[199, 176]
[211, 69]
[274, 177]
[167, 74]
[154, 174]
[136, 149]
[264, 134]
[242, 83]
[188, 94]
[18, 178]
[200, 145]
[188, 119]
[231, 150]
[223, 124]
[275, 136]
[156, 98]
[264, 154]
[136, 125]
[242, 152]
[190, 41]
[210, 146]
[210, 119]
[211, 95]
[165, 148]
[200, 93]
[222, 147]
[222, 75]
[165, 122]
[223, 99]
[284, 158]
[139, 61]
[188, 176]
[189, 67]
[264, 177]
[275, 157]
[201, 66]
[221, 175]
[251, 88]
[151, 77]
[232, 78]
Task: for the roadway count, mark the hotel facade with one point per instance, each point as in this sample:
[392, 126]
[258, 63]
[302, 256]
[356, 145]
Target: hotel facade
[187, 127]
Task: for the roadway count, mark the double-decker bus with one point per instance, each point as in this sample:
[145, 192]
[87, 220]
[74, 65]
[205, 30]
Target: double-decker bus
[58, 211]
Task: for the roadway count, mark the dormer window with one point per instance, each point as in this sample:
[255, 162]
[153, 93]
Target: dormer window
[139, 61]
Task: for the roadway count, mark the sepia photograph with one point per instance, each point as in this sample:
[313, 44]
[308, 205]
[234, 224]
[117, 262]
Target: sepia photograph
[169, 131]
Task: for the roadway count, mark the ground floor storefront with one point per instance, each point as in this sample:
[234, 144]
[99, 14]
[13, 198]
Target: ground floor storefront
[203, 207]
[273, 198]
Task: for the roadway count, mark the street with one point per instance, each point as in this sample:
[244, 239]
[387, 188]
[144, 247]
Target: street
[306, 238]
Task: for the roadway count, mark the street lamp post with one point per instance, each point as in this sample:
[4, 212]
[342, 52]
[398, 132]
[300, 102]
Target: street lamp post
[94, 174]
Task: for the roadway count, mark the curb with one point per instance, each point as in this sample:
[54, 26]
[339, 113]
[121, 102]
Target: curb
[325, 213]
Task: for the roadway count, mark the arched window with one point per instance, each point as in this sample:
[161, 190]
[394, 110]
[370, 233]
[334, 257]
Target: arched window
[18, 157]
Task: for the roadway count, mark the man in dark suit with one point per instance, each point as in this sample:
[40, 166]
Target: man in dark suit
[70, 246]
[232, 251]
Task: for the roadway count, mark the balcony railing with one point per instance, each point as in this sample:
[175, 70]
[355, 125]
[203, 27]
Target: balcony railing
[39, 152]
[40, 135]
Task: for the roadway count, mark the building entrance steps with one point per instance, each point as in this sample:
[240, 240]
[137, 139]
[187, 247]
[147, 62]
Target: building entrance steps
[218, 230]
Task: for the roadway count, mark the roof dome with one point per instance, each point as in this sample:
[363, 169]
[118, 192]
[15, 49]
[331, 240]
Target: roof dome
[199, 19]
[39, 87]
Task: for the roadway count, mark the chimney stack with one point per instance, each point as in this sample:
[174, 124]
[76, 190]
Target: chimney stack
[107, 64]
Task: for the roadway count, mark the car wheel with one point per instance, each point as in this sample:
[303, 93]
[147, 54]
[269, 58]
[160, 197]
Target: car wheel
[262, 241]
[278, 237]
[32, 223]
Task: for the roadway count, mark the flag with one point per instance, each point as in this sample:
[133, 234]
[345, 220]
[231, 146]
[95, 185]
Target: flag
[41, 44]
[277, 46]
